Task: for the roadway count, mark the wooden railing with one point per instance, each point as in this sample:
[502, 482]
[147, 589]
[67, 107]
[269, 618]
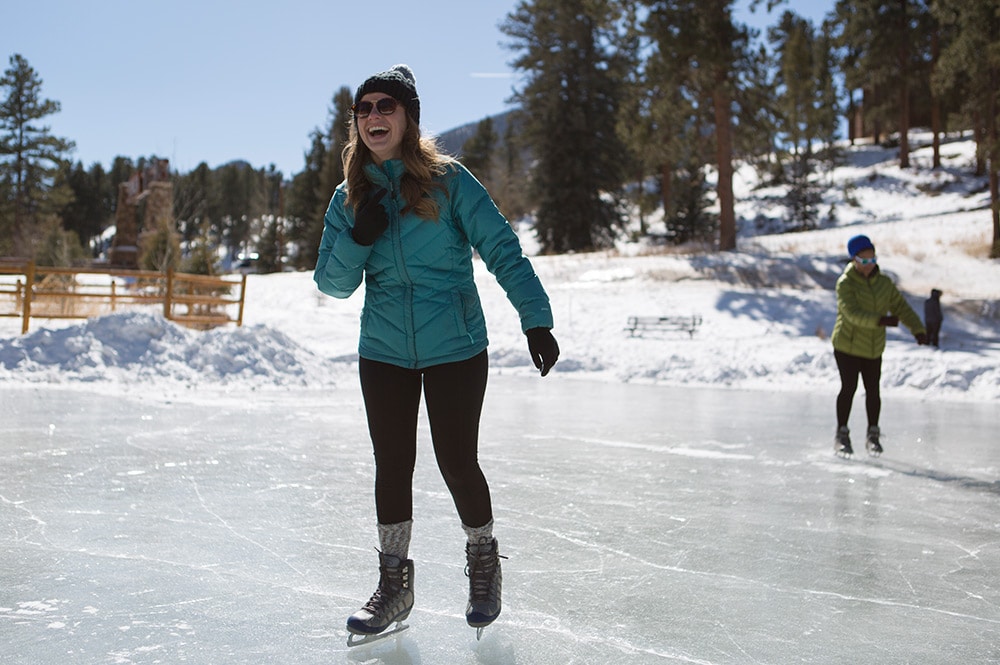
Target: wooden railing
[198, 301]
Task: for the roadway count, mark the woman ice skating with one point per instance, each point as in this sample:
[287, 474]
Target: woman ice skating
[867, 303]
[406, 220]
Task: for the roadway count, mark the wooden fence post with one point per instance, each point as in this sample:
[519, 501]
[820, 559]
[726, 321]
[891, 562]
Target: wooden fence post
[29, 287]
[243, 295]
[167, 307]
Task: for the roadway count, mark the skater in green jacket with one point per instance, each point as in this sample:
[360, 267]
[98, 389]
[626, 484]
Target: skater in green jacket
[406, 221]
[867, 303]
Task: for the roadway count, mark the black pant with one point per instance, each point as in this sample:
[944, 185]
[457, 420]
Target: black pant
[453, 393]
[870, 370]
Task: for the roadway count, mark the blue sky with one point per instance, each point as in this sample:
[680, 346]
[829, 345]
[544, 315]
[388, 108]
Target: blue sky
[215, 81]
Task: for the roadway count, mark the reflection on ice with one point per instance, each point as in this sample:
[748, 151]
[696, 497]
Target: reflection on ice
[643, 524]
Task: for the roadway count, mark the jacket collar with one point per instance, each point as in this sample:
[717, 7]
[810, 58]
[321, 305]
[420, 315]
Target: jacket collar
[854, 273]
[388, 173]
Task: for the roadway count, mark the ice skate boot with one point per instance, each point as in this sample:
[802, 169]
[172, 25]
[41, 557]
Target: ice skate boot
[483, 571]
[391, 602]
[842, 444]
[872, 443]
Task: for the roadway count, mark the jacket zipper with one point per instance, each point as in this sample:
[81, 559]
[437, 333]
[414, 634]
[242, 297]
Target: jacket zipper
[397, 239]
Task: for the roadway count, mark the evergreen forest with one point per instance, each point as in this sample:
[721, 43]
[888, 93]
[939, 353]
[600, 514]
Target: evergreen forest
[626, 109]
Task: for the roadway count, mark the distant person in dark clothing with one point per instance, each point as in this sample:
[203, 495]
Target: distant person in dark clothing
[933, 316]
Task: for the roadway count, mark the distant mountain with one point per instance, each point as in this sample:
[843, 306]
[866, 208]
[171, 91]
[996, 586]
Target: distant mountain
[452, 140]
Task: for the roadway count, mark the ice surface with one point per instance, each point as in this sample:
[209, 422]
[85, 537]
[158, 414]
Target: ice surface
[644, 524]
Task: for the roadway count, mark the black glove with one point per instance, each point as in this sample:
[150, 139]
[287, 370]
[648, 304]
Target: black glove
[370, 220]
[921, 339]
[889, 321]
[543, 349]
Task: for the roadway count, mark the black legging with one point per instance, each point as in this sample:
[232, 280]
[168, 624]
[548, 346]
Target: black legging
[454, 395]
[871, 373]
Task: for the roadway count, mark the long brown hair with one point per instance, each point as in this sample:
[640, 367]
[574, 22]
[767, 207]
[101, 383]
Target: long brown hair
[421, 157]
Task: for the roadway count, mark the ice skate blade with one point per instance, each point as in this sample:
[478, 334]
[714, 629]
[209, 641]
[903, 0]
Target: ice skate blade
[479, 632]
[360, 639]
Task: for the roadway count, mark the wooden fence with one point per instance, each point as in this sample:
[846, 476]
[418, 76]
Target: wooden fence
[198, 301]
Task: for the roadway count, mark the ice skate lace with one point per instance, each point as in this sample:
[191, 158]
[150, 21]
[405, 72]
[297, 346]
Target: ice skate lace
[384, 594]
[377, 604]
[481, 570]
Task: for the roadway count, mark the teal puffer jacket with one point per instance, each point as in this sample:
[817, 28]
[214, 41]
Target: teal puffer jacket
[421, 304]
[861, 302]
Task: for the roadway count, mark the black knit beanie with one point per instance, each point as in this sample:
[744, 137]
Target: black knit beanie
[397, 82]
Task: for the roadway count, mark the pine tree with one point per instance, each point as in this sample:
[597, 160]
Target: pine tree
[635, 123]
[90, 211]
[192, 206]
[270, 245]
[304, 229]
[807, 111]
[969, 68]
[677, 125]
[705, 51]
[478, 152]
[756, 98]
[827, 110]
[330, 174]
[570, 104]
[200, 257]
[889, 41]
[30, 157]
[509, 192]
[242, 198]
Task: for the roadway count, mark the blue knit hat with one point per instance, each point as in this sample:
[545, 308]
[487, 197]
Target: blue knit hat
[858, 244]
[398, 82]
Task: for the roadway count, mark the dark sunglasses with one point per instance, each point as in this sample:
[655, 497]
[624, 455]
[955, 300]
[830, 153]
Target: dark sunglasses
[385, 106]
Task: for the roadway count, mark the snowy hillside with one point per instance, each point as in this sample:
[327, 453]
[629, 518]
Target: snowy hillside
[767, 309]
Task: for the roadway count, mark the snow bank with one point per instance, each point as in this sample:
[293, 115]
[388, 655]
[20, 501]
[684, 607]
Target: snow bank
[131, 347]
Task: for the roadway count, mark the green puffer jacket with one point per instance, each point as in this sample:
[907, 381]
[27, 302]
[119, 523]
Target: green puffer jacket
[861, 302]
[421, 304]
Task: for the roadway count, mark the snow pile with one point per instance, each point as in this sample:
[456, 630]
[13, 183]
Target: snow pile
[142, 346]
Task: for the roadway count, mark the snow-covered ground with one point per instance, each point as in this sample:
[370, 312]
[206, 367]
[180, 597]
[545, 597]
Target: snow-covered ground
[767, 309]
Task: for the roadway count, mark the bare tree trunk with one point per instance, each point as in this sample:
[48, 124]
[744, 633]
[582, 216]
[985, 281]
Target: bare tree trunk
[994, 165]
[21, 244]
[935, 102]
[724, 159]
[666, 172]
[904, 89]
[995, 209]
[641, 189]
[980, 138]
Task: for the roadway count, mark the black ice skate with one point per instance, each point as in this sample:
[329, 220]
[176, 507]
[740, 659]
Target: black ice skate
[391, 603]
[872, 443]
[485, 578]
[842, 444]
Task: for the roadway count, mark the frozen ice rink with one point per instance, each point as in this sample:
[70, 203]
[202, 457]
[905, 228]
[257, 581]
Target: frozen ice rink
[643, 525]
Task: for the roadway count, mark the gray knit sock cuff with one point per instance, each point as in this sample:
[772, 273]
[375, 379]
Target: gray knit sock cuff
[394, 539]
[479, 535]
